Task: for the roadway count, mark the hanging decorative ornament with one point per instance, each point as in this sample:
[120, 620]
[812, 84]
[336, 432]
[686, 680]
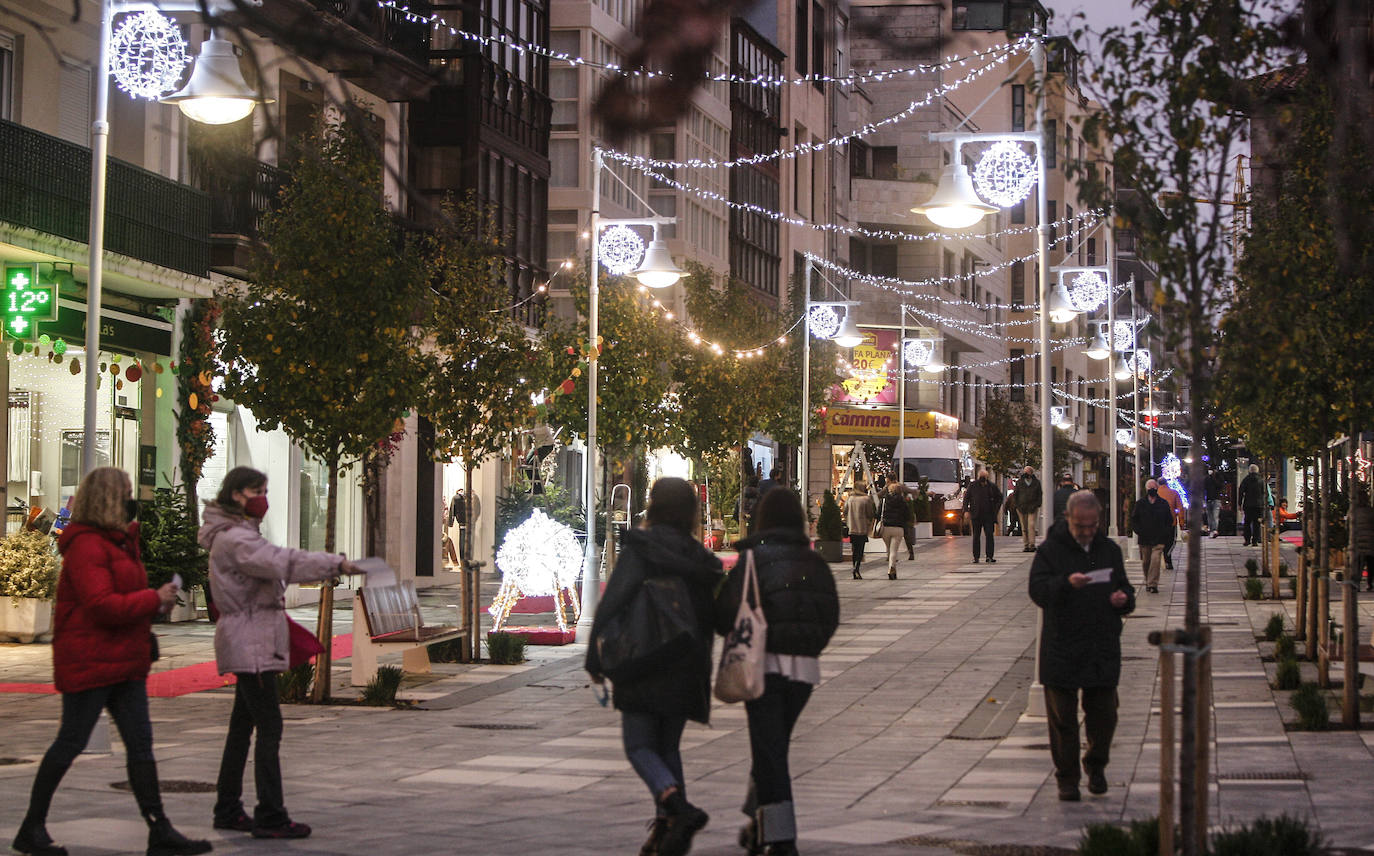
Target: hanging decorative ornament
[824, 322]
[157, 367]
[59, 347]
[45, 340]
[1088, 291]
[1140, 364]
[158, 393]
[1123, 338]
[18, 348]
[133, 373]
[1124, 436]
[917, 352]
[192, 401]
[620, 249]
[148, 55]
[1005, 174]
[76, 366]
[114, 369]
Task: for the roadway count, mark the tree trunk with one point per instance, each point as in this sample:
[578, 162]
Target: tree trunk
[469, 574]
[1309, 530]
[325, 626]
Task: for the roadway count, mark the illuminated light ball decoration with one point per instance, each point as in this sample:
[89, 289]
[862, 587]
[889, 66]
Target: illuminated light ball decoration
[620, 249]
[147, 55]
[1123, 336]
[1005, 174]
[539, 557]
[1124, 437]
[1140, 363]
[917, 352]
[1088, 291]
[1059, 416]
[1171, 468]
[824, 321]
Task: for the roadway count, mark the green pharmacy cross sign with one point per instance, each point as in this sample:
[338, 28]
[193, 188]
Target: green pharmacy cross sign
[26, 301]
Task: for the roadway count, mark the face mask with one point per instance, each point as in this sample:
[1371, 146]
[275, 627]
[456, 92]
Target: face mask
[1154, 491]
[131, 509]
[256, 506]
[982, 478]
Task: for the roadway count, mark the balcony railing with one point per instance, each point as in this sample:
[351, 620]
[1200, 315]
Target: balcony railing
[240, 193]
[45, 185]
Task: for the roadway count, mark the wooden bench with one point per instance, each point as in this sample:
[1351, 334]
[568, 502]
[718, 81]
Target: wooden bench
[386, 619]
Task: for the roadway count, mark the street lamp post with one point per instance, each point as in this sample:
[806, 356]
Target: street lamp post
[655, 271]
[215, 94]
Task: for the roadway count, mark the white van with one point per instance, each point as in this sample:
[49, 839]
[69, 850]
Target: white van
[935, 459]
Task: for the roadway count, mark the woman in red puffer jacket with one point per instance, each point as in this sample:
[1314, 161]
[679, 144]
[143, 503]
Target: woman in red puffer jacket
[101, 652]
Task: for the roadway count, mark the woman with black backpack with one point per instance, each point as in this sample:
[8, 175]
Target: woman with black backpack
[654, 707]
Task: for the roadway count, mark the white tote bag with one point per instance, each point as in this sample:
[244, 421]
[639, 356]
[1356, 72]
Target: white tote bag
[740, 676]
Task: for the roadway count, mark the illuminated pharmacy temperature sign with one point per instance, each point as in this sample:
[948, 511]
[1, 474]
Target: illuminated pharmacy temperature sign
[26, 301]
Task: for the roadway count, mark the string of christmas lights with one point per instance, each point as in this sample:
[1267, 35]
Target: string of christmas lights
[697, 339]
[1084, 219]
[807, 148]
[436, 21]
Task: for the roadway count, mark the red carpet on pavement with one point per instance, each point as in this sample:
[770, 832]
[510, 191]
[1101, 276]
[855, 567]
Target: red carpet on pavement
[181, 681]
[541, 635]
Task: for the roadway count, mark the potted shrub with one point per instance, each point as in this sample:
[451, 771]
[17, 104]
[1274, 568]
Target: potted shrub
[167, 536]
[829, 531]
[925, 514]
[28, 578]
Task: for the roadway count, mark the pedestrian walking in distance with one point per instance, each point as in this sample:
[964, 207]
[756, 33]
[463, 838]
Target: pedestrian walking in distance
[895, 515]
[248, 576]
[1027, 496]
[654, 709]
[1153, 523]
[1252, 502]
[1077, 577]
[102, 649]
[797, 592]
[981, 501]
[1066, 489]
[859, 514]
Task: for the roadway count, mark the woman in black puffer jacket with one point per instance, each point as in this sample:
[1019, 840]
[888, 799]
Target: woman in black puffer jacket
[802, 609]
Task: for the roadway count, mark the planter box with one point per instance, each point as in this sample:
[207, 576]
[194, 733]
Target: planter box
[831, 551]
[25, 619]
[925, 530]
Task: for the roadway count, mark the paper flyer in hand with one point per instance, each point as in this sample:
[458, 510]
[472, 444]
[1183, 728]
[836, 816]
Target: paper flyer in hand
[379, 573]
[1101, 575]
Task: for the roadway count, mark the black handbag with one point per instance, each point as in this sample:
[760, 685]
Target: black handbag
[656, 629]
[153, 648]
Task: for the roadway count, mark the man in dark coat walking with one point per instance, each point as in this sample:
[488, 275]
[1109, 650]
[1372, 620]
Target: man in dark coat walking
[1079, 580]
[1066, 489]
[981, 503]
[1027, 496]
[1152, 520]
[1252, 503]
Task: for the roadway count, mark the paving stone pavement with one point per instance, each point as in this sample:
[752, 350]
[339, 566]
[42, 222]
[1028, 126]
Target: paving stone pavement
[915, 741]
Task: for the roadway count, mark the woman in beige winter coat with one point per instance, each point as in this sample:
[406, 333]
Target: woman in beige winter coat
[858, 516]
[248, 577]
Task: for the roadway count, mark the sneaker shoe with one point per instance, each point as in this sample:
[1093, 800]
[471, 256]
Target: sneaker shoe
[748, 838]
[164, 840]
[1097, 782]
[239, 823]
[1069, 793]
[991, 561]
[35, 841]
[290, 829]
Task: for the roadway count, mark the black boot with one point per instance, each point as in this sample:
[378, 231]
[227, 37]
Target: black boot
[857, 575]
[163, 839]
[33, 839]
[683, 822]
[657, 827]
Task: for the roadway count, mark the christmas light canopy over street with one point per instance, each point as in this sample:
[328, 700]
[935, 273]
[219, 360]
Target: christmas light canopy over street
[955, 204]
[216, 94]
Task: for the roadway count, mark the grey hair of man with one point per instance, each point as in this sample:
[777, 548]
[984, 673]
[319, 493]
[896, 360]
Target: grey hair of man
[1149, 483]
[1083, 498]
[1084, 515]
[1254, 468]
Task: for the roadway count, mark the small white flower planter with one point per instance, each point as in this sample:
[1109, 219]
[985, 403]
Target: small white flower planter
[185, 610]
[25, 619]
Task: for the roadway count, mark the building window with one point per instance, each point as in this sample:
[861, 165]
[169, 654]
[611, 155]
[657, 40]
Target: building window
[1051, 143]
[860, 160]
[1092, 251]
[949, 270]
[885, 162]
[662, 147]
[6, 77]
[1018, 213]
[800, 43]
[883, 260]
[1018, 375]
[818, 43]
[1018, 284]
[74, 103]
[563, 92]
[1092, 411]
[1070, 232]
[1052, 216]
[1018, 107]
[563, 164]
[1068, 143]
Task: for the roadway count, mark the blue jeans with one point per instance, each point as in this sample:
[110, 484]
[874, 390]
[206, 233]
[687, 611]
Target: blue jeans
[651, 745]
[1213, 513]
[128, 706]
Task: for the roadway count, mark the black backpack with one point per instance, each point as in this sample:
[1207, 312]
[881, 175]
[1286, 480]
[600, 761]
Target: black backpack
[656, 629]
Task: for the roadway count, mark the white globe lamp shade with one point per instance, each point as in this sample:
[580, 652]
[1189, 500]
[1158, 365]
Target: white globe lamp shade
[935, 365]
[1098, 348]
[216, 94]
[955, 204]
[657, 270]
[848, 335]
[1061, 308]
[1120, 369]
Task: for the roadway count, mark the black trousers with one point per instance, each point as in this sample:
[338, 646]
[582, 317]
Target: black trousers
[256, 707]
[127, 703]
[984, 526]
[771, 718]
[1099, 723]
[1252, 525]
[857, 542]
